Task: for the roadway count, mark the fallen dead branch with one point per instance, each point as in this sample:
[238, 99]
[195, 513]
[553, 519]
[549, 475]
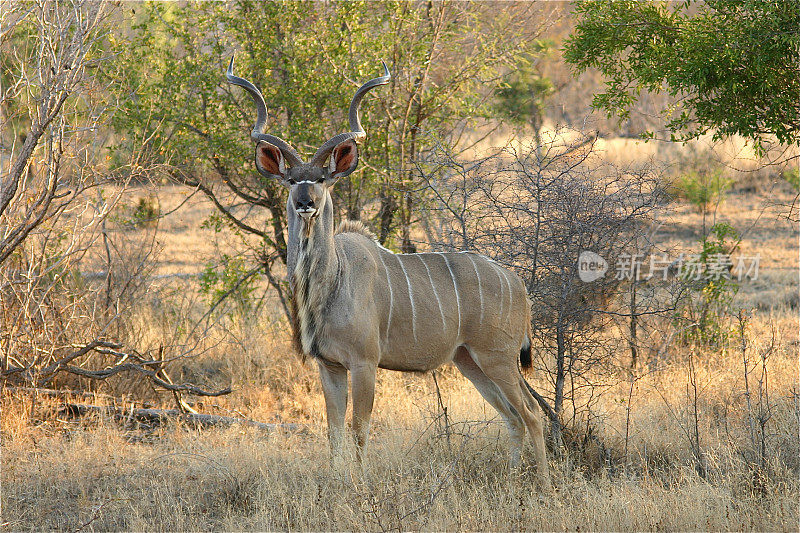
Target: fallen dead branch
[126, 362]
[157, 417]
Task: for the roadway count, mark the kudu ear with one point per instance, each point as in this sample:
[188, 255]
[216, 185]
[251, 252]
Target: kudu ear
[269, 160]
[344, 159]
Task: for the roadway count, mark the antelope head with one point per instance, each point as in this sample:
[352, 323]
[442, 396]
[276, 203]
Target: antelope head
[308, 183]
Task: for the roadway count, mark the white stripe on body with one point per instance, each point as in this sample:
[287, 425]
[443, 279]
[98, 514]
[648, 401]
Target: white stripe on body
[410, 297]
[510, 292]
[433, 286]
[455, 289]
[391, 297]
[502, 291]
[480, 285]
[502, 271]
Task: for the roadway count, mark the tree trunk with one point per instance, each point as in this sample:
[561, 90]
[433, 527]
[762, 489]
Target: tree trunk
[633, 325]
[386, 214]
[558, 402]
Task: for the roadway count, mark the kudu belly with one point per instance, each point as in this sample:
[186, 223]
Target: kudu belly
[436, 302]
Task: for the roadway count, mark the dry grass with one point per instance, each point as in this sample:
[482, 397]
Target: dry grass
[60, 475]
[93, 474]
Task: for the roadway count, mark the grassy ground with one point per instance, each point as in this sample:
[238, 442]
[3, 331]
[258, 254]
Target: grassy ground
[420, 474]
[639, 473]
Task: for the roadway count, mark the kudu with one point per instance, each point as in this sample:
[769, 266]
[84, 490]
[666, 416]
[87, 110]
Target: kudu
[359, 307]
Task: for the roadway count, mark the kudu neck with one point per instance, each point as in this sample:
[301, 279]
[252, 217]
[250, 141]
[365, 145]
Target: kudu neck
[315, 245]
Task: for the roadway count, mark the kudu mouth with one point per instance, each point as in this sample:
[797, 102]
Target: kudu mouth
[308, 214]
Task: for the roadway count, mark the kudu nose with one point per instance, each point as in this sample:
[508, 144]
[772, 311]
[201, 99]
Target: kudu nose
[305, 208]
[303, 204]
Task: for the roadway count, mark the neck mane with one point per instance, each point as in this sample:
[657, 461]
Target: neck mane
[313, 270]
[355, 226]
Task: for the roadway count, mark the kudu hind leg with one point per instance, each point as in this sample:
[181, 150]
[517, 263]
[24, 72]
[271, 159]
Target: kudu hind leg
[491, 393]
[503, 371]
[533, 405]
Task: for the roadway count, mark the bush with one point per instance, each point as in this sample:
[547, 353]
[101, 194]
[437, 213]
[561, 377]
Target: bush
[792, 177]
[707, 274]
[703, 190]
[146, 212]
[230, 279]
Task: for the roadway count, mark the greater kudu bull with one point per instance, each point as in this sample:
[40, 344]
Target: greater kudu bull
[358, 306]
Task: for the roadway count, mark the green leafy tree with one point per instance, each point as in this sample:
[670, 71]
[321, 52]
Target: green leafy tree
[522, 98]
[307, 59]
[731, 65]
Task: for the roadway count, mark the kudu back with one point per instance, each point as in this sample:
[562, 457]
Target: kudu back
[359, 307]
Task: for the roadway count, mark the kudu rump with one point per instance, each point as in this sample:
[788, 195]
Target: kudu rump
[358, 306]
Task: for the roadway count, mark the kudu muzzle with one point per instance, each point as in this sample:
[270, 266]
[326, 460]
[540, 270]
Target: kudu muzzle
[304, 203]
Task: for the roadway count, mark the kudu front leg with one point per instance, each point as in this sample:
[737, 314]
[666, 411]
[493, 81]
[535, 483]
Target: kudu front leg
[334, 387]
[362, 381]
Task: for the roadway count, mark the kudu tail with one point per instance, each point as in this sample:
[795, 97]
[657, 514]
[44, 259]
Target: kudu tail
[525, 352]
[531, 396]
